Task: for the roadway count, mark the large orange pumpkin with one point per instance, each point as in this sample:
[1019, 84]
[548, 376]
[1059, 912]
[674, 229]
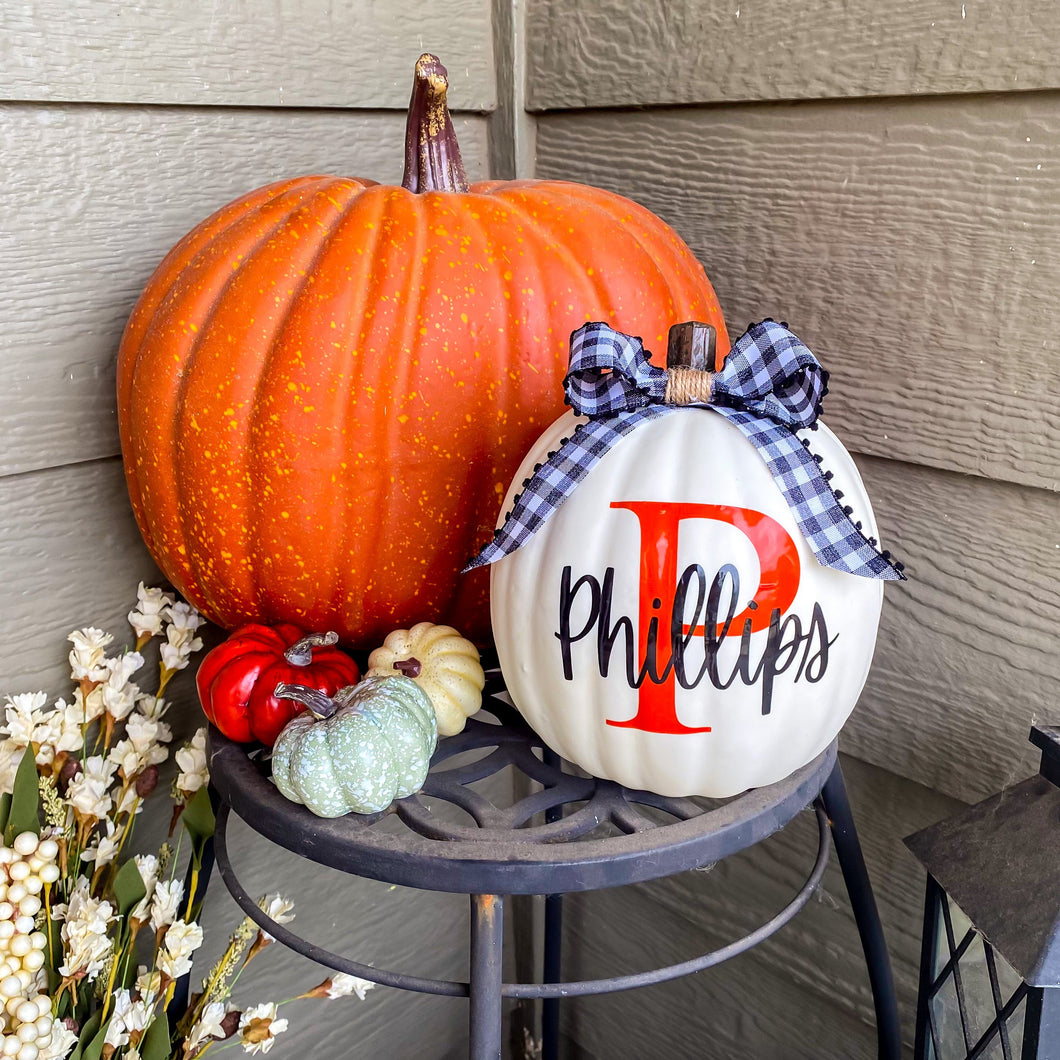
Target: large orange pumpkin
[326, 386]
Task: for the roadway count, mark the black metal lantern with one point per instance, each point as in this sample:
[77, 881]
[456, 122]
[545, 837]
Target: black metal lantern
[990, 962]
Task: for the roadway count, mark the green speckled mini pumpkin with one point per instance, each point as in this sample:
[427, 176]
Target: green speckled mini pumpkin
[357, 752]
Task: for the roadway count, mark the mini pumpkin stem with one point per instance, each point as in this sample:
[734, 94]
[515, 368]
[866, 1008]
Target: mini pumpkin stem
[301, 653]
[320, 705]
[408, 667]
[432, 154]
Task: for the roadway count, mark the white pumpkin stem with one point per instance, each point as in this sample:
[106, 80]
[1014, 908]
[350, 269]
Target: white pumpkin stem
[690, 363]
[320, 705]
[301, 653]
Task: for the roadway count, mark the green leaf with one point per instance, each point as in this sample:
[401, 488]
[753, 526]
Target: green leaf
[25, 801]
[155, 1043]
[199, 820]
[95, 1048]
[5, 809]
[129, 889]
[88, 1033]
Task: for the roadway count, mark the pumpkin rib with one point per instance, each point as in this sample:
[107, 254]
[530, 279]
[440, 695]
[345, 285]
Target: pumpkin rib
[621, 225]
[257, 512]
[574, 268]
[172, 408]
[394, 208]
[401, 373]
[182, 413]
[512, 345]
[663, 244]
[163, 280]
[481, 488]
[354, 329]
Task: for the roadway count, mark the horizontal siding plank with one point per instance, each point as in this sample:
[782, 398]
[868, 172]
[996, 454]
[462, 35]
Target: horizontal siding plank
[911, 244]
[71, 557]
[608, 53]
[966, 658]
[290, 53]
[95, 198]
[812, 971]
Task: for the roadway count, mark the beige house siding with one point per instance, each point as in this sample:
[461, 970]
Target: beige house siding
[913, 243]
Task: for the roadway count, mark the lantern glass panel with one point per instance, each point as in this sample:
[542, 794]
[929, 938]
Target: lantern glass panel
[978, 994]
[1015, 1028]
[1008, 979]
[994, 1050]
[961, 924]
[941, 952]
[947, 1020]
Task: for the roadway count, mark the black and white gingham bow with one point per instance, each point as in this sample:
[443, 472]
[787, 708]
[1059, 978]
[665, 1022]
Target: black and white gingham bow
[770, 386]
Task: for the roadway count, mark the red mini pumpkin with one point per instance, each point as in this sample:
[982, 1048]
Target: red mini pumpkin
[325, 387]
[237, 679]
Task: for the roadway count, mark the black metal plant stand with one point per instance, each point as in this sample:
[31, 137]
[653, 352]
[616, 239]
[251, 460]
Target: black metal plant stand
[613, 836]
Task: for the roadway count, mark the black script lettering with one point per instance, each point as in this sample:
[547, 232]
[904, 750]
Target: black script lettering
[712, 637]
[786, 638]
[567, 595]
[679, 638]
[774, 661]
[606, 634]
[818, 631]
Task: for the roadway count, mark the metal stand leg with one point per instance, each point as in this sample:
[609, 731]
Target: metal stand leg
[553, 955]
[487, 947]
[863, 902]
[553, 974]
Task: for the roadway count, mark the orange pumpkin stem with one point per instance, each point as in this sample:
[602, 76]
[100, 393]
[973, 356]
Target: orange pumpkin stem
[432, 154]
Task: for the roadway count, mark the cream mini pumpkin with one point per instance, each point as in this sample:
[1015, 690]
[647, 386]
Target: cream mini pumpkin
[442, 662]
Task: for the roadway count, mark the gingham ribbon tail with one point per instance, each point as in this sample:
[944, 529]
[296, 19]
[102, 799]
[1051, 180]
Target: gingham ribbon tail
[770, 386]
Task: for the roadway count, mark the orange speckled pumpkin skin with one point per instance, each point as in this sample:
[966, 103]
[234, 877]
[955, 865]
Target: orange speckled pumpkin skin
[326, 387]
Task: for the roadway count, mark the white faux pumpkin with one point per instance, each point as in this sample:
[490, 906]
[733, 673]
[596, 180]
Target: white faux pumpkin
[442, 662]
[684, 500]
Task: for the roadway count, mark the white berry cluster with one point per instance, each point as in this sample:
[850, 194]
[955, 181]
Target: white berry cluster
[26, 1026]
